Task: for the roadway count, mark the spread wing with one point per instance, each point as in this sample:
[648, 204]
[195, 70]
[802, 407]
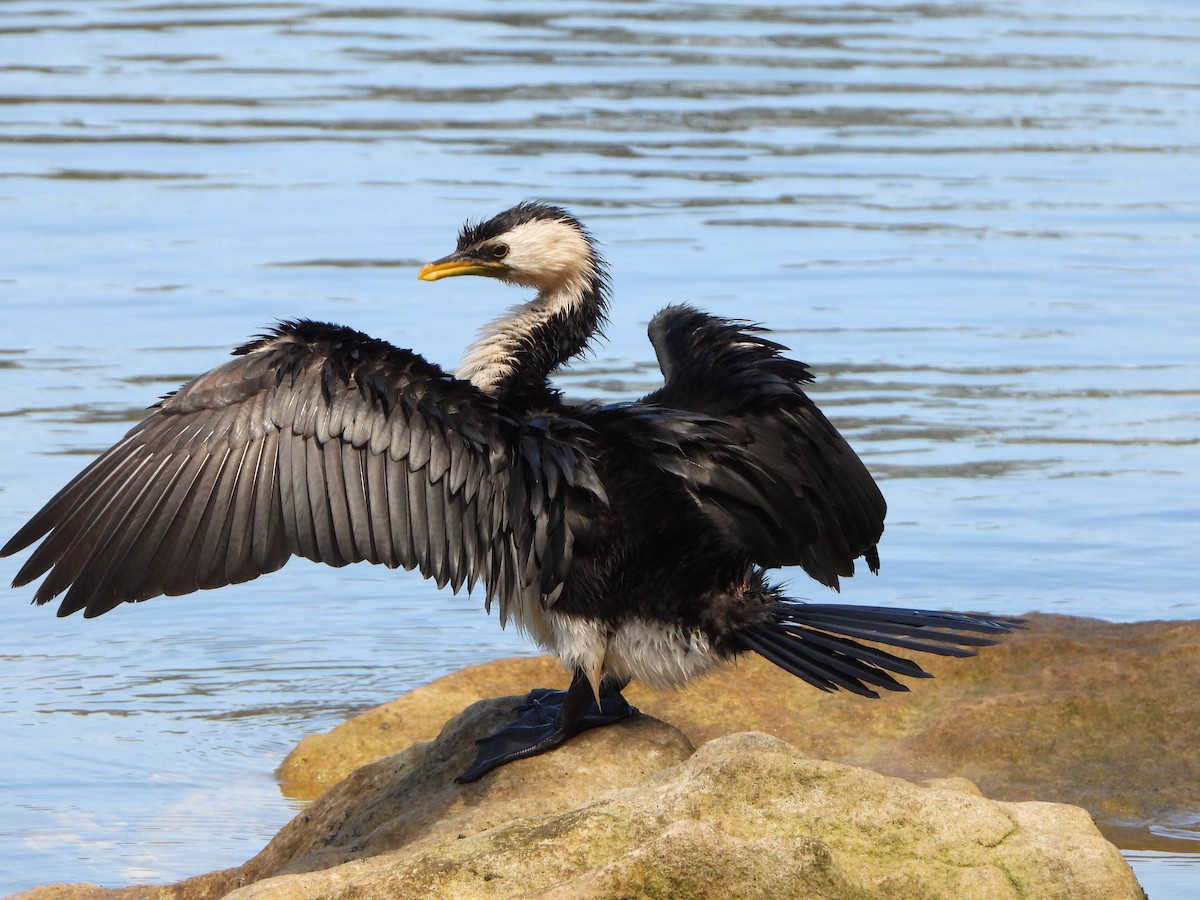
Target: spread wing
[321, 442]
[809, 479]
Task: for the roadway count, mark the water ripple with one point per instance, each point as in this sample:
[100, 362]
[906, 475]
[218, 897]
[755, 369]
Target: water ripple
[977, 221]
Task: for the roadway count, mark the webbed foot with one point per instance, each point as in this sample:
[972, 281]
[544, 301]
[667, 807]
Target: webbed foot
[549, 718]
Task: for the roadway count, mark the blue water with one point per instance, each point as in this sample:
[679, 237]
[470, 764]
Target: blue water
[978, 222]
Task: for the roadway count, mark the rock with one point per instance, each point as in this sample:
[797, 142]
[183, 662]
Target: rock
[1073, 710]
[631, 812]
[322, 760]
[410, 798]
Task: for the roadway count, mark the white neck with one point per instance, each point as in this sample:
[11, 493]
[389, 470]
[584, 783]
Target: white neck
[495, 355]
[491, 359]
[534, 338]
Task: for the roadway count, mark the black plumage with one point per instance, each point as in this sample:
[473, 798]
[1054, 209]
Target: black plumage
[630, 539]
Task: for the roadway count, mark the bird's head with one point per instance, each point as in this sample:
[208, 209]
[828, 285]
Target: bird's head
[533, 245]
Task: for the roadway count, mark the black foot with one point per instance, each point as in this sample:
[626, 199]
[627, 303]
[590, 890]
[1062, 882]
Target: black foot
[548, 719]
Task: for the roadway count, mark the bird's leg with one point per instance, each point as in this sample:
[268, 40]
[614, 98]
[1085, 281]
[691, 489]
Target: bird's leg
[554, 699]
[548, 719]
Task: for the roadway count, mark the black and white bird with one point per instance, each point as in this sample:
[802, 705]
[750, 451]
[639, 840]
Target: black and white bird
[631, 540]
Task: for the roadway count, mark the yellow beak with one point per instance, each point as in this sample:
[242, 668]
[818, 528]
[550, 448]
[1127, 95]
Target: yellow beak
[452, 265]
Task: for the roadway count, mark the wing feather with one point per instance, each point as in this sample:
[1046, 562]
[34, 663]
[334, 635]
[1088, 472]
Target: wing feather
[241, 516]
[439, 554]
[154, 555]
[268, 532]
[418, 451]
[401, 514]
[358, 516]
[185, 561]
[138, 546]
[291, 501]
[777, 478]
[318, 504]
[321, 442]
[375, 489]
[338, 498]
[77, 504]
[214, 548]
[129, 507]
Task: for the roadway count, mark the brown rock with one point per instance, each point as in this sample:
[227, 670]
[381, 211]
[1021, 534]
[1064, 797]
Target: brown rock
[1070, 708]
[410, 797]
[747, 815]
[1074, 710]
[322, 760]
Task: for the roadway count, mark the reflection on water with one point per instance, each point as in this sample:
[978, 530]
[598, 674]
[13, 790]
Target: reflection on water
[979, 223]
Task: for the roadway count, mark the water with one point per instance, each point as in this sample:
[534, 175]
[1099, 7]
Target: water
[978, 221]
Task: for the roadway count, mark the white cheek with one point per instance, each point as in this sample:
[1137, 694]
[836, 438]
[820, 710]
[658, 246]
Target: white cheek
[550, 256]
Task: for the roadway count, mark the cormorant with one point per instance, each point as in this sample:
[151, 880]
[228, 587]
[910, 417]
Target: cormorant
[629, 539]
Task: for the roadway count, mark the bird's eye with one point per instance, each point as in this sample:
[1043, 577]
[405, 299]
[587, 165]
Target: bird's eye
[500, 251]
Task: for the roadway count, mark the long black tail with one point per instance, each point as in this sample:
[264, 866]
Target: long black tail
[814, 641]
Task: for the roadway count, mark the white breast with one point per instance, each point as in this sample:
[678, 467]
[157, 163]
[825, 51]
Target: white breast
[655, 653]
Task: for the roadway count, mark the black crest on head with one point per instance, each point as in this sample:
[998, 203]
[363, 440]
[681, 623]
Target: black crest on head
[528, 211]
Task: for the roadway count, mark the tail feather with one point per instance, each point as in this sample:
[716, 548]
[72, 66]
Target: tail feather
[816, 642]
[884, 615]
[837, 666]
[894, 639]
[870, 655]
[817, 672]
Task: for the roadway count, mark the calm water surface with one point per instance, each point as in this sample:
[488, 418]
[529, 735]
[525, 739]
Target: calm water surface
[979, 222]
